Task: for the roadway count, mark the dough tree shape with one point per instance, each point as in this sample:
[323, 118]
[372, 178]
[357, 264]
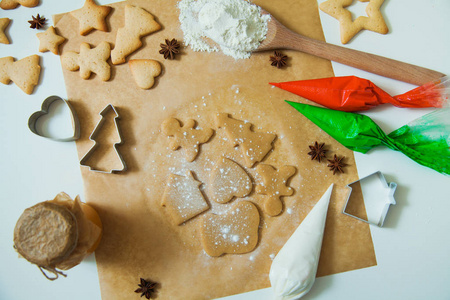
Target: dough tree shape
[274, 186]
[89, 61]
[186, 136]
[254, 145]
[229, 180]
[233, 232]
[104, 156]
[24, 73]
[182, 198]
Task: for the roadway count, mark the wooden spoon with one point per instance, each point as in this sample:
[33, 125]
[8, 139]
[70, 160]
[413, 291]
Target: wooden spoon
[279, 37]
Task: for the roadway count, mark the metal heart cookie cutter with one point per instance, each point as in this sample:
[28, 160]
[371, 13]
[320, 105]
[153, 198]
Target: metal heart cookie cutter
[378, 196]
[93, 137]
[45, 107]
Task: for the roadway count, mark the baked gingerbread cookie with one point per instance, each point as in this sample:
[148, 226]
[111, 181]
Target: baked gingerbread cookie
[182, 198]
[24, 73]
[254, 145]
[229, 180]
[186, 136]
[49, 40]
[348, 28]
[144, 72]
[89, 61]
[4, 22]
[275, 186]
[11, 4]
[233, 232]
[91, 16]
[138, 23]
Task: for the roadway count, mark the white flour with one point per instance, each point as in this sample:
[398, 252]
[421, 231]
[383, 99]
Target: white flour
[237, 26]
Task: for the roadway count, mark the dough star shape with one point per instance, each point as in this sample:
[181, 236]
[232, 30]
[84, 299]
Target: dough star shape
[49, 40]
[3, 24]
[348, 28]
[91, 16]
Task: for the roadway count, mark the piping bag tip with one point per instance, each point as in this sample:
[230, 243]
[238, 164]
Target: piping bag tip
[294, 269]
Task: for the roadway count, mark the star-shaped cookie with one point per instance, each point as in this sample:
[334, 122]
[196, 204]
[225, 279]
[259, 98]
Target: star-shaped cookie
[91, 16]
[373, 22]
[49, 40]
[3, 24]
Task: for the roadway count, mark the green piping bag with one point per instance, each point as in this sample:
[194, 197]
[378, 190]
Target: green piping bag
[425, 140]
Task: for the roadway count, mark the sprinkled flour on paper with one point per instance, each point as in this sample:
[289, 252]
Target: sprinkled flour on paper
[237, 26]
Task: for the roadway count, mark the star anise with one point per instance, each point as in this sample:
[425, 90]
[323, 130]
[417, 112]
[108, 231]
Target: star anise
[170, 48]
[37, 22]
[336, 164]
[147, 288]
[278, 60]
[317, 151]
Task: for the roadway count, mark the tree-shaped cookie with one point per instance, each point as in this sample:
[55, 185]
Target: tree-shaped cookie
[89, 61]
[274, 186]
[254, 145]
[186, 136]
[229, 180]
[104, 156]
[182, 198]
[138, 23]
[235, 231]
[24, 73]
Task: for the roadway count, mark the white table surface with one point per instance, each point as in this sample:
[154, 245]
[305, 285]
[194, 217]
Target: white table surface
[412, 249]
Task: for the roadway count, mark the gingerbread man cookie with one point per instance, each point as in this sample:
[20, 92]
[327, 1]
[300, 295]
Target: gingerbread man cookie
[186, 136]
[373, 22]
[11, 4]
[229, 180]
[89, 61]
[182, 198]
[254, 145]
[235, 231]
[274, 186]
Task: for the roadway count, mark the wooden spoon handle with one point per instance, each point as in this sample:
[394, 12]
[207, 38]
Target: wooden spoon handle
[364, 61]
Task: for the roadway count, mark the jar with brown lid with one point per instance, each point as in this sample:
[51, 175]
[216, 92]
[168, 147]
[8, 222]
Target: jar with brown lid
[57, 234]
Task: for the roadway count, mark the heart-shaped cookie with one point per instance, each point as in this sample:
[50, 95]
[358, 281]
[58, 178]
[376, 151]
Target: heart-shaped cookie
[45, 108]
[144, 72]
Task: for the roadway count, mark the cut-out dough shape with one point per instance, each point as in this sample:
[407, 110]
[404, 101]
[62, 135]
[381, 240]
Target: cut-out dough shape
[186, 136]
[373, 22]
[4, 22]
[182, 198]
[11, 4]
[91, 16]
[274, 186]
[144, 72]
[138, 23]
[229, 180]
[24, 73]
[234, 232]
[89, 61]
[254, 145]
[49, 40]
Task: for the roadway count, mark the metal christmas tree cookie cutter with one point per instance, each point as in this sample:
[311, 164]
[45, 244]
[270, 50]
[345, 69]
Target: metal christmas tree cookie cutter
[378, 196]
[94, 136]
[45, 108]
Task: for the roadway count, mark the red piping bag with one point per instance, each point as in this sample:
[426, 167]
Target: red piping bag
[351, 93]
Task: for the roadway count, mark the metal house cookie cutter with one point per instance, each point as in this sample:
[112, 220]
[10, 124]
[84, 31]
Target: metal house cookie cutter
[45, 107]
[378, 198]
[93, 137]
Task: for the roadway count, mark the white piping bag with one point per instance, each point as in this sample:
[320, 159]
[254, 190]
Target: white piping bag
[294, 269]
